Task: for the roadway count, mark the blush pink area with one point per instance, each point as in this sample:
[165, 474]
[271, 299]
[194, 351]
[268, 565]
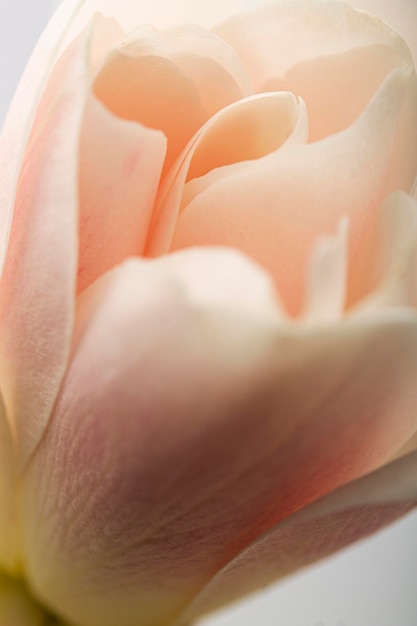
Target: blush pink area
[186, 425]
[38, 283]
[350, 513]
[399, 14]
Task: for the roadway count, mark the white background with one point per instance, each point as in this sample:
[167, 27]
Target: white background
[371, 584]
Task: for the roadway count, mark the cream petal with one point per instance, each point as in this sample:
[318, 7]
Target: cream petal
[37, 289]
[277, 37]
[399, 14]
[159, 13]
[351, 513]
[276, 207]
[186, 427]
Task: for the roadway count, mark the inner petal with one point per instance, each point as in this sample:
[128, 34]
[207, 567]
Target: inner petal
[172, 81]
[337, 88]
[243, 132]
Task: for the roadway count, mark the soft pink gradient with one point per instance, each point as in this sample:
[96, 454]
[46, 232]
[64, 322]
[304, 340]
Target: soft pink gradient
[178, 431]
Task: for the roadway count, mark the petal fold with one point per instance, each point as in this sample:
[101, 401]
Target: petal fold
[276, 207]
[186, 426]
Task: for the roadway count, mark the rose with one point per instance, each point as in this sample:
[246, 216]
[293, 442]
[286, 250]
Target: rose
[171, 437]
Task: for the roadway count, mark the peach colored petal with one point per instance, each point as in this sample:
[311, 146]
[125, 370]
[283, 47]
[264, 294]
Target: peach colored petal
[327, 278]
[37, 289]
[17, 127]
[276, 207]
[390, 258]
[340, 518]
[16, 606]
[120, 168]
[337, 88]
[181, 68]
[187, 425]
[7, 496]
[399, 14]
[246, 130]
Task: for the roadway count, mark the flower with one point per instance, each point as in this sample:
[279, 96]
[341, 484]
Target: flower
[208, 334]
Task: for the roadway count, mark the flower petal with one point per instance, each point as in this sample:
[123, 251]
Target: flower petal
[284, 201]
[23, 109]
[330, 524]
[272, 39]
[186, 427]
[388, 265]
[159, 13]
[120, 168]
[401, 15]
[244, 131]
[37, 289]
[172, 81]
[326, 286]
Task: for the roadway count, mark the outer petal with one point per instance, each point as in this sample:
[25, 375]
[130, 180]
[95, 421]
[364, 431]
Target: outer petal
[187, 425]
[37, 289]
[22, 112]
[340, 518]
[160, 13]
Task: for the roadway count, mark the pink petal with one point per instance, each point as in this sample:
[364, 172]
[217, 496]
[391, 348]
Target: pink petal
[186, 427]
[340, 518]
[37, 289]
